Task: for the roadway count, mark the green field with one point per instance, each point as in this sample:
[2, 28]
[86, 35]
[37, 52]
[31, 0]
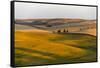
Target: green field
[39, 48]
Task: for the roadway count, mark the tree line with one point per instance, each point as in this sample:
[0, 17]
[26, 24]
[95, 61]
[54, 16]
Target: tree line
[60, 31]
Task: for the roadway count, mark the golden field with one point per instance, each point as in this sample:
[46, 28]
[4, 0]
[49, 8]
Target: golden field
[38, 47]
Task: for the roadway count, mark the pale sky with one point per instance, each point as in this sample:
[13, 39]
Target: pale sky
[37, 10]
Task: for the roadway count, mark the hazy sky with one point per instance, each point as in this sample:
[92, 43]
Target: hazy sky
[36, 10]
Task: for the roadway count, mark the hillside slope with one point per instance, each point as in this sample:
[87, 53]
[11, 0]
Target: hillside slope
[36, 48]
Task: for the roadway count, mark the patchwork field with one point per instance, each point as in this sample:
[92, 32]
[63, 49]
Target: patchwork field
[36, 47]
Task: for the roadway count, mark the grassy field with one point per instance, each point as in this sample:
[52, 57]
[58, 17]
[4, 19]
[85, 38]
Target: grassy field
[37, 47]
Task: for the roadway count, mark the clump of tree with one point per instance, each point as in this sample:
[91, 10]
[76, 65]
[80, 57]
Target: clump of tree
[59, 31]
[65, 30]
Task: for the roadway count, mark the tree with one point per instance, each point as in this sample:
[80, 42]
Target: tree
[59, 31]
[67, 31]
[64, 30]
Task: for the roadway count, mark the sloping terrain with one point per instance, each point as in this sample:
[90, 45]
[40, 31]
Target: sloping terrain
[72, 25]
[89, 31]
[23, 27]
[38, 47]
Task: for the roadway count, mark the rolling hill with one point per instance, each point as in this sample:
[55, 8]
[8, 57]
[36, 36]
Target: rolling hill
[72, 25]
[36, 47]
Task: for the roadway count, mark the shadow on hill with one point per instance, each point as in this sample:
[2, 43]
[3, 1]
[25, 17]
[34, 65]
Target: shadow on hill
[34, 60]
[72, 33]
